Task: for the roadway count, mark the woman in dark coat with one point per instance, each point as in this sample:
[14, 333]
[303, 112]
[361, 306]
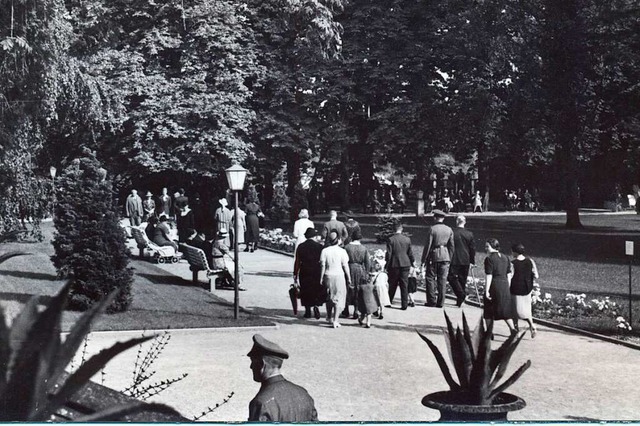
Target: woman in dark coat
[162, 234]
[253, 211]
[306, 267]
[185, 222]
[498, 304]
[359, 267]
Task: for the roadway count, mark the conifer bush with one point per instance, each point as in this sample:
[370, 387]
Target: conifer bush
[298, 201]
[279, 205]
[89, 243]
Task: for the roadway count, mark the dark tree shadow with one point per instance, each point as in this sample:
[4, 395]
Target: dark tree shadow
[24, 298]
[30, 275]
[169, 279]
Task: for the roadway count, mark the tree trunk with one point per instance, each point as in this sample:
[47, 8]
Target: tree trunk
[345, 172]
[572, 193]
[293, 172]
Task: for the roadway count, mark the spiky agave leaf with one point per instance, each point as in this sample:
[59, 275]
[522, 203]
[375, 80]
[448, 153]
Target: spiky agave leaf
[467, 336]
[500, 357]
[5, 350]
[455, 352]
[84, 373]
[481, 373]
[26, 391]
[511, 380]
[466, 360]
[77, 336]
[444, 368]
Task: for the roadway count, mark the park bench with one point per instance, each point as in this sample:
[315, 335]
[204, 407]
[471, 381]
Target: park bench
[198, 262]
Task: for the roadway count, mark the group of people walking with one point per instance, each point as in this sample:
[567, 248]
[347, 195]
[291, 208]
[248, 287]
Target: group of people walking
[341, 273]
[338, 272]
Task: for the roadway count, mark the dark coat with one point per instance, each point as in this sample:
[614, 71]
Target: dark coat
[282, 401]
[440, 244]
[334, 225]
[399, 253]
[464, 252]
[307, 269]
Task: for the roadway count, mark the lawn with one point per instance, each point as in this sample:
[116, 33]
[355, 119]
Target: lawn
[160, 300]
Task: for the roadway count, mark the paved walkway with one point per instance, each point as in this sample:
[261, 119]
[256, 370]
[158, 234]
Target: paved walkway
[376, 374]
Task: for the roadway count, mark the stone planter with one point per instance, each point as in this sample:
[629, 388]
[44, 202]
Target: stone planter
[452, 409]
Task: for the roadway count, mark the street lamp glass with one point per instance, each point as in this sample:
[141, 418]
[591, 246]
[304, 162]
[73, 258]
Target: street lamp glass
[235, 177]
[52, 171]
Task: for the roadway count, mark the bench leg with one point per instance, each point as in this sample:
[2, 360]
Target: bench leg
[195, 277]
[141, 252]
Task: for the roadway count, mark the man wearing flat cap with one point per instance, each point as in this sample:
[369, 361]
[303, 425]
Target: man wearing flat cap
[436, 259]
[306, 271]
[278, 400]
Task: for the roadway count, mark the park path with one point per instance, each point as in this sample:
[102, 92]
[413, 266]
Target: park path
[376, 374]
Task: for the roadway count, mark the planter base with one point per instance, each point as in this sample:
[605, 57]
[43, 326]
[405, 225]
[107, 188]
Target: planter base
[452, 409]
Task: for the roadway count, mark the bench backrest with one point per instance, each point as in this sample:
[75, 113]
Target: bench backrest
[195, 256]
[140, 236]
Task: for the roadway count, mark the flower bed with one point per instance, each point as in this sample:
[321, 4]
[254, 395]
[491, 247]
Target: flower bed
[276, 239]
[599, 315]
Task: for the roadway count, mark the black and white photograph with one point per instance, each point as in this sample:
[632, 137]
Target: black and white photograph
[319, 211]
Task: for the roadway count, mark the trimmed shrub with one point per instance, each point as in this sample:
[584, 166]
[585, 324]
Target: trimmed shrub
[387, 227]
[89, 243]
[299, 201]
[279, 205]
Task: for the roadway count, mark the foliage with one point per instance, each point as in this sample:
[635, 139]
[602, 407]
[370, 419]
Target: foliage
[280, 206]
[140, 387]
[33, 384]
[298, 201]
[25, 197]
[478, 368]
[89, 244]
[252, 195]
[387, 227]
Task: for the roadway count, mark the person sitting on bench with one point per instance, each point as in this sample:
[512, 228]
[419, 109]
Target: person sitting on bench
[218, 253]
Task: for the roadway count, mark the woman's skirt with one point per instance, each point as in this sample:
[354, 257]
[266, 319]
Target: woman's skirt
[367, 303]
[336, 287]
[522, 306]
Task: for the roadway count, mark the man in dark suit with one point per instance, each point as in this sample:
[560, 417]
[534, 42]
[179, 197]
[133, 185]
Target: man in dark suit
[436, 259]
[307, 266]
[334, 225]
[464, 255]
[278, 400]
[400, 260]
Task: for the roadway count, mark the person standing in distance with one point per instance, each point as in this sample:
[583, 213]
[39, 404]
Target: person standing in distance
[133, 208]
[399, 261]
[464, 255]
[436, 259]
[278, 400]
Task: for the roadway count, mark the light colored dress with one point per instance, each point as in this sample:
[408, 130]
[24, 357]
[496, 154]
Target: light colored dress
[299, 228]
[381, 288]
[242, 225]
[335, 260]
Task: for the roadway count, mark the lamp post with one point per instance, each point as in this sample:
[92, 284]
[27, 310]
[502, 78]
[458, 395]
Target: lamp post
[235, 177]
[52, 172]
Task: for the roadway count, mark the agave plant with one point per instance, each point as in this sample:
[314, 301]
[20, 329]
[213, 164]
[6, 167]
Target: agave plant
[33, 383]
[479, 369]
